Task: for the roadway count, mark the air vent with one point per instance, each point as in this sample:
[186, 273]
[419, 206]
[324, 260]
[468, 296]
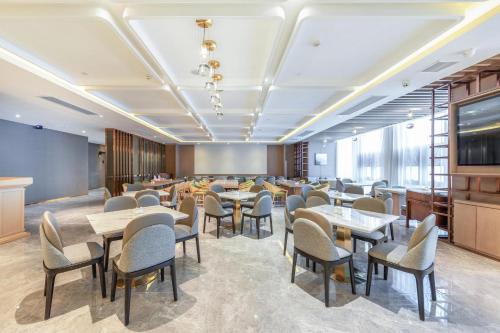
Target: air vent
[439, 66]
[369, 101]
[68, 105]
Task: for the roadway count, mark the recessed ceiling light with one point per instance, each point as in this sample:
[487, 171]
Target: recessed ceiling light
[85, 73]
[316, 43]
[155, 136]
[227, 143]
[101, 116]
[84, 132]
[18, 115]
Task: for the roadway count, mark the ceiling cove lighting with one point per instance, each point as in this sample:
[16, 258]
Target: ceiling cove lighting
[476, 15]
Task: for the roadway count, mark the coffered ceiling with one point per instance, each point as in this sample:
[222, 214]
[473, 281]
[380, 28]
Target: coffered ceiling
[291, 68]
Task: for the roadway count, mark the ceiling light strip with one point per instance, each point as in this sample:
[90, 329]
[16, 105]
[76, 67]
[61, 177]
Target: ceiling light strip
[476, 16]
[44, 74]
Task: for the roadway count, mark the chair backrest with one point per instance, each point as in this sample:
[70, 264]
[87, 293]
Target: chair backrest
[354, 190]
[147, 192]
[188, 206]
[52, 243]
[217, 188]
[384, 196]
[262, 194]
[305, 189]
[259, 181]
[293, 202]
[389, 204]
[375, 185]
[107, 194]
[214, 195]
[422, 245]
[263, 206]
[230, 177]
[347, 180]
[147, 241]
[369, 204]
[310, 238]
[256, 188]
[212, 205]
[340, 186]
[120, 203]
[148, 200]
[314, 201]
[173, 195]
[318, 193]
[133, 187]
[316, 218]
[272, 180]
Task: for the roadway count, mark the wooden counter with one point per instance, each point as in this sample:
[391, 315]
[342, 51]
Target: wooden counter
[12, 208]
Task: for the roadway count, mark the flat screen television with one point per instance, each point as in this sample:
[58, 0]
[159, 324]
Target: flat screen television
[478, 132]
[320, 159]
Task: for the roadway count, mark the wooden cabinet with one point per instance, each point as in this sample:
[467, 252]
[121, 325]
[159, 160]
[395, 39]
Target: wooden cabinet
[488, 231]
[465, 225]
[418, 207]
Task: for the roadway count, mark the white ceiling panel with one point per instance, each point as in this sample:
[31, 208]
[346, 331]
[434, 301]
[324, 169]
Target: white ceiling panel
[198, 99]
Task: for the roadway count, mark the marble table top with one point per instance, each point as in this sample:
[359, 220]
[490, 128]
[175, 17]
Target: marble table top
[354, 219]
[225, 183]
[112, 222]
[132, 193]
[347, 197]
[237, 195]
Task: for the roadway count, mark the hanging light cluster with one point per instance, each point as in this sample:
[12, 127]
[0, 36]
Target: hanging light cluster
[208, 68]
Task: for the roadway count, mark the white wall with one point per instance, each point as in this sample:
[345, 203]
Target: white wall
[230, 159]
[323, 171]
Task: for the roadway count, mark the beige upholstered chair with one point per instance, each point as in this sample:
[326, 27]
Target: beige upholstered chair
[187, 228]
[148, 200]
[148, 246]
[293, 202]
[107, 194]
[214, 209]
[147, 192]
[318, 193]
[132, 187]
[261, 210]
[417, 258]
[111, 205]
[224, 204]
[251, 204]
[172, 198]
[314, 201]
[354, 190]
[58, 258]
[313, 239]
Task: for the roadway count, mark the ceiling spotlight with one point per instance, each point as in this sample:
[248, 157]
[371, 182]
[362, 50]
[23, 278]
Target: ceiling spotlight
[354, 131]
[18, 115]
[84, 132]
[325, 141]
[410, 114]
[246, 139]
[354, 139]
[409, 126]
[316, 43]
[101, 116]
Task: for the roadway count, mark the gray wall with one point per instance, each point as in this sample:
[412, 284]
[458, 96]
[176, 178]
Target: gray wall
[57, 161]
[96, 166]
[323, 171]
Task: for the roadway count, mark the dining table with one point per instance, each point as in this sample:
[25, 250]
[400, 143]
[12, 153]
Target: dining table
[237, 197]
[341, 197]
[227, 184]
[346, 220]
[162, 193]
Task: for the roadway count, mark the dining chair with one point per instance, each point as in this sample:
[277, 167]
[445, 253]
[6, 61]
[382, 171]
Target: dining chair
[224, 204]
[187, 228]
[272, 180]
[314, 201]
[251, 202]
[305, 189]
[389, 203]
[172, 198]
[148, 201]
[278, 194]
[217, 188]
[259, 181]
[132, 187]
[354, 190]
[107, 194]
[58, 258]
[347, 180]
[214, 209]
[256, 188]
[376, 185]
[293, 202]
[318, 193]
[340, 187]
[261, 210]
[114, 204]
[314, 240]
[148, 246]
[147, 192]
[416, 258]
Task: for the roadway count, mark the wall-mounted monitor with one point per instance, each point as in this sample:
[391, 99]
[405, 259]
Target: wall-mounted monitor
[478, 132]
[320, 159]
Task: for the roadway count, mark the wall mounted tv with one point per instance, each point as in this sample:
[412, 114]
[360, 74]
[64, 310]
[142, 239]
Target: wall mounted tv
[478, 132]
[320, 159]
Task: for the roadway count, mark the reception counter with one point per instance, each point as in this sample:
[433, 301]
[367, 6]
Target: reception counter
[12, 207]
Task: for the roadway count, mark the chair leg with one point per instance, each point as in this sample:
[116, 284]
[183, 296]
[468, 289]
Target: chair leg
[128, 294]
[369, 277]
[307, 262]
[271, 223]
[184, 247]
[162, 274]
[198, 249]
[420, 295]
[257, 224]
[94, 272]
[354, 245]
[286, 239]
[204, 222]
[218, 227]
[173, 276]
[294, 264]
[45, 286]
[241, 223]
[314, 266]
[113, 286]
[376, 268]
[386, 272]
[50, 292]
[107, 246]
[432, 282]
[392, 230]
[326, 278]
[102, 277]
[234, 225]
[351, 273]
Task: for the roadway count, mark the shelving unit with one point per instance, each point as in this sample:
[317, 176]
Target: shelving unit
[301, 158]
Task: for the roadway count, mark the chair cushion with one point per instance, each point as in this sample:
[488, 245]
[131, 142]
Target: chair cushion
[182, 231]
[390, 252]
[343, 252]
[376, 235]
[82, 252]
[227, 204]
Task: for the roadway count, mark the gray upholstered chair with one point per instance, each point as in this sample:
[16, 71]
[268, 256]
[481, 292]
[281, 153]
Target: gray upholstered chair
[322, 194]
[272, 180]
[259, 181]
[58, 258]
[111, 205]
[293, 202]
[217, 188]
[250, 204]
[224, 204]
[172, 198]
[132, 187]
[340, 187]
[214, 209]
[187, 228]
[375, 185]
[389, 203]
[305, 189]
[148, 246]
[417, 258]
[147, 192]
[148, 200]
[347, 180]
[354, 190]
[261, 210]
[313, 239]
[107, 194]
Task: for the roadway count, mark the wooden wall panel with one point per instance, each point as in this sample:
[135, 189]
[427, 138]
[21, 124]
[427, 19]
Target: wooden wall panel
[171, 159]
[275, 160]
[186, 160]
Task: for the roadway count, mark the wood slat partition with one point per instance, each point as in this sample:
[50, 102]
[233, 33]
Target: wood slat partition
[152, 160]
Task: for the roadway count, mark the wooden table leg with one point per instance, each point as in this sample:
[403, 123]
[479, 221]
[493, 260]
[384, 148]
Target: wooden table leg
[237, 211]
[344, 240]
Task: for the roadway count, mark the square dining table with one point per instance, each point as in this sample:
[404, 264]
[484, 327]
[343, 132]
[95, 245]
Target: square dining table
[237, 197]
[341, 197]
[162, 193]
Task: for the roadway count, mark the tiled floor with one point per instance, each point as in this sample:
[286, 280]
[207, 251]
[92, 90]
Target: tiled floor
[242, 284]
